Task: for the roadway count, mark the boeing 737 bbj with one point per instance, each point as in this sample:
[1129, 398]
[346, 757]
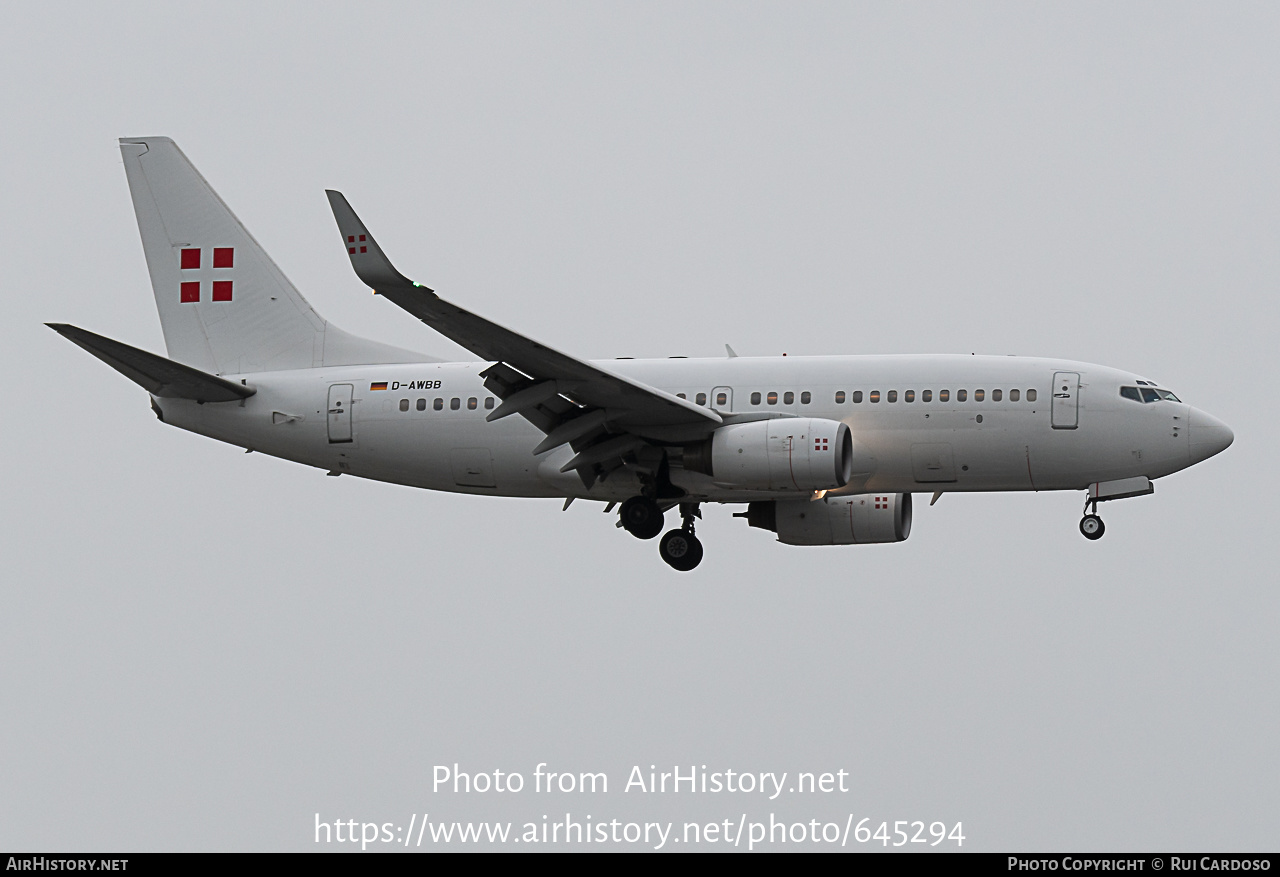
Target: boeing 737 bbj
[822, 450]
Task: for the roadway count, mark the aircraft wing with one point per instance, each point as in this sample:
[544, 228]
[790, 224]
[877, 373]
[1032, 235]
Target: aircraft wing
[570, 399]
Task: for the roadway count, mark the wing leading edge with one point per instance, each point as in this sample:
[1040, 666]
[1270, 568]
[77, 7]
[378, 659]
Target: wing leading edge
[569, 399]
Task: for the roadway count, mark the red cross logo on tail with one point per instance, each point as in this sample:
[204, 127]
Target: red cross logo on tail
[882, 502]
[191, 263]
[352, 243]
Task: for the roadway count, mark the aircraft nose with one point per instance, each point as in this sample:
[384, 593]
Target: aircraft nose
[1208, 435]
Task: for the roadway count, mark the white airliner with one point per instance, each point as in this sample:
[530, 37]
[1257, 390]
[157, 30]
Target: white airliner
[822, 450]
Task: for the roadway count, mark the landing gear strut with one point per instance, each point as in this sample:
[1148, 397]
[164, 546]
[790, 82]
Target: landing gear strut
[641, 517]
[680, 548]
[1091, 526]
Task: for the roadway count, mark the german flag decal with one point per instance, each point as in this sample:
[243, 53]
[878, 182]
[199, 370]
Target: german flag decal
[378, 385]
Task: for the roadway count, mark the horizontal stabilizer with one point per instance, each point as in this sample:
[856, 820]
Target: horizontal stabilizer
[155, 374]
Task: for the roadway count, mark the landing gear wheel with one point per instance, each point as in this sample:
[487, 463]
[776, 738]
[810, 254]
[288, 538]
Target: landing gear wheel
[641, 517]
[1091, 527]
[681, 550]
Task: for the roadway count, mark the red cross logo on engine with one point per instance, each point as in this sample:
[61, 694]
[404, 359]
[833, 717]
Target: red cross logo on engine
[352, 243]
[191, 264]
[882, 502]
[820, 444]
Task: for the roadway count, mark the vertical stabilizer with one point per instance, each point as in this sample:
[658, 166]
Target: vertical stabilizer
[225, 307]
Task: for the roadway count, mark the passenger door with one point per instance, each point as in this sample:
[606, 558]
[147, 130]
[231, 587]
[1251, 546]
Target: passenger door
[1065, 411]
[340, 413]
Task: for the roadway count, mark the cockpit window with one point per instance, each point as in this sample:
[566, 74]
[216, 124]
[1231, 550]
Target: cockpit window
[1147, 393]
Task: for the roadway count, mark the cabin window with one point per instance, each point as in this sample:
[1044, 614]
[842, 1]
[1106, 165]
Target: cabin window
[404, 404]
[962, 395]
[857, 397]
[772, 398]
[438, 404]
[805, 398]
[681, 396]
[1031, 395]
[755, 398]
[979, 395]
[839, 397]
[422, 405]
[701, 399]
[909, 396]
[1130, 393]
[893, 395]
[722, 399]
[926, 396]
[488, 403]
[995, 395]
[455, 403]
[473, 404]
[944, 395]
[1013, 395]
[789, 398]
[875, 395]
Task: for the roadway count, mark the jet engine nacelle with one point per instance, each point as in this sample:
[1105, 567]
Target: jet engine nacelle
[790, 453]
[836, 520]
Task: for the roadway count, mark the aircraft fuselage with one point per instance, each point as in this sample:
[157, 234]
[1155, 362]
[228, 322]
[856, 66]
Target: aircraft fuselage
[988, 425]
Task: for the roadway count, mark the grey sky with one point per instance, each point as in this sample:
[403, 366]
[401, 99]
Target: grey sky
[202, 649]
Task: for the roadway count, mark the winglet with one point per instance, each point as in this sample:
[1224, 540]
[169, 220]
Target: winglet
[371, 264]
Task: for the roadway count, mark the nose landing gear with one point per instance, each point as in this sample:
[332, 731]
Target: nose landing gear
[680, 548]
[1091, 526]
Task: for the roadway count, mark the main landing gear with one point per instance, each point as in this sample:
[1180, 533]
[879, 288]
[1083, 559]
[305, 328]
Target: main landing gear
[1091, 526]
[680, 548]
[642, 517]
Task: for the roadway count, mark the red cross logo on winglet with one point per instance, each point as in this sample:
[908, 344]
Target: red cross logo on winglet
[352, 243]
[189, 260]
